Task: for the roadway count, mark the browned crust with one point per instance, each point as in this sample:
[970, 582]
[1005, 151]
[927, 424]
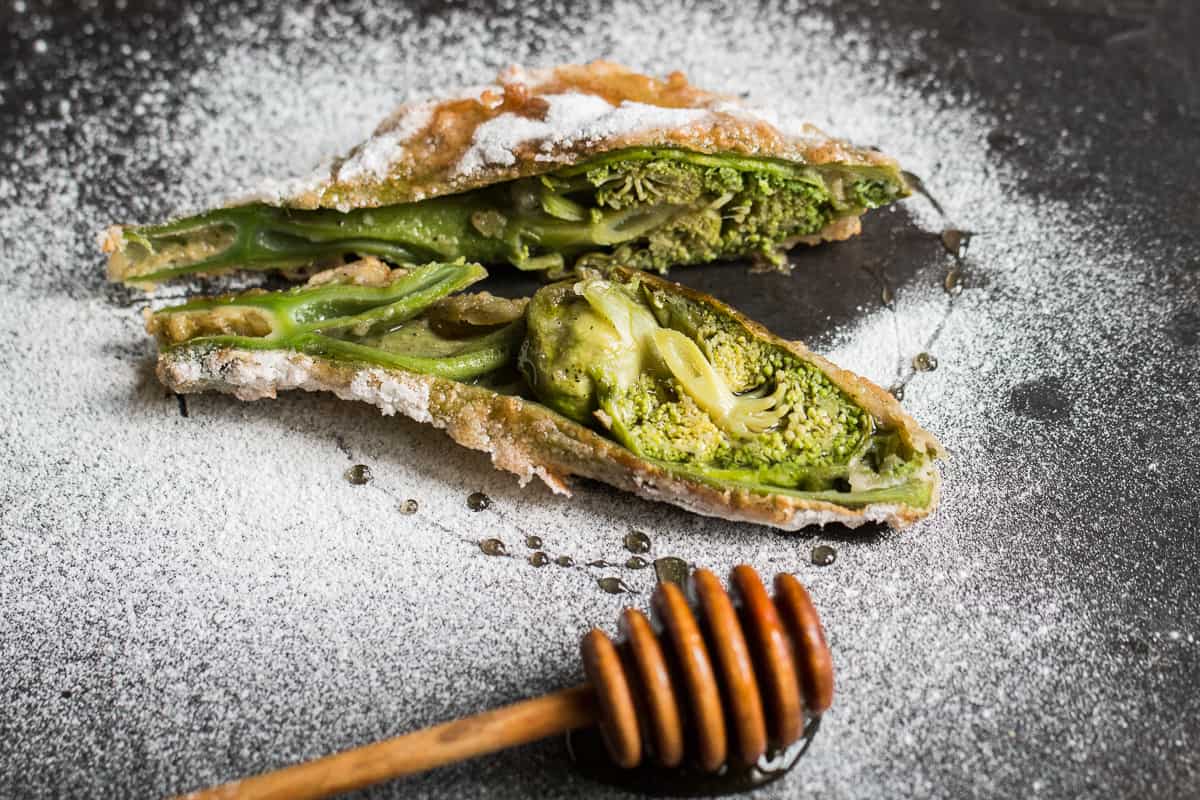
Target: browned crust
[528, 439]
[418, 150]
[839, 230]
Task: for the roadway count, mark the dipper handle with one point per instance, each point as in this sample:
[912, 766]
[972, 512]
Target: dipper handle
[498, 729]
[738, 677]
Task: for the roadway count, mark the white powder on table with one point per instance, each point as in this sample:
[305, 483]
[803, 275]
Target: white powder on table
[216, 599]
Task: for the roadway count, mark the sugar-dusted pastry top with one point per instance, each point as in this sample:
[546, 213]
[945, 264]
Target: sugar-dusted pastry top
[535, 121]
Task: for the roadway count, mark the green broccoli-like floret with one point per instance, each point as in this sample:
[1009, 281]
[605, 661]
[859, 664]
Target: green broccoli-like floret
[646, 182]
[727, 213]
[690, 238]
[819, 422]
[666, 425]
[675, 381]
[620, 184]
[872, 193]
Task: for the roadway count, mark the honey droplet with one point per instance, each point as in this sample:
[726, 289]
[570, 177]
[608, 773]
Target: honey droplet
[897, 391]
[359, 475]
[613, 585]
[478, 501]
[409, 506]
[924, 362]
[636, 562]
[670, 569]
[953, 282]
[493, 547]
[600, 562]
[956, 241]
[565, 561]
[637, 542]
[920, 188]
[539, 559]
[823, 555]
[887, 295]
[533, 542]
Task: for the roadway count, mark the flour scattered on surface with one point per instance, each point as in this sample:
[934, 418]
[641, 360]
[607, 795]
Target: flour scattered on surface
[187, 599]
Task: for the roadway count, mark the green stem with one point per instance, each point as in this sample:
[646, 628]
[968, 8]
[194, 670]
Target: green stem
[485, 354]
[916, 492]
[259, 237]
[335, 307]
[330, 320]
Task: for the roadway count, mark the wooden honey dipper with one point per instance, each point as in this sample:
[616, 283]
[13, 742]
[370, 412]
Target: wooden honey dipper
[746, 680]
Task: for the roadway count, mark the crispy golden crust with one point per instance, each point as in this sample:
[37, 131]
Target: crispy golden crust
[839, 230]
[528, 439]
[522, 437]
[535, 121]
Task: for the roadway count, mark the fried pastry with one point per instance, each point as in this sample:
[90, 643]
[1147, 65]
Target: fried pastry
[620, 376]
[547, 169]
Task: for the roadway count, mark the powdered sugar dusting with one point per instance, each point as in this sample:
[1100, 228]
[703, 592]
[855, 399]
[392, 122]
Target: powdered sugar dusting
[187, 599]
[496, 139]
[561, 125]
[378, 152]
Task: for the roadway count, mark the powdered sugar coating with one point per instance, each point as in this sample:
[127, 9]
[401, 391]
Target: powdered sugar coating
[377, 153]
[533, 120]
[570, 118]
[185, 600]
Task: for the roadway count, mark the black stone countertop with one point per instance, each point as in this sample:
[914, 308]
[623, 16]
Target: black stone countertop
[1102, 102]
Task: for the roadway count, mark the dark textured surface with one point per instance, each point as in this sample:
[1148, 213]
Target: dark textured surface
[1102, 109]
